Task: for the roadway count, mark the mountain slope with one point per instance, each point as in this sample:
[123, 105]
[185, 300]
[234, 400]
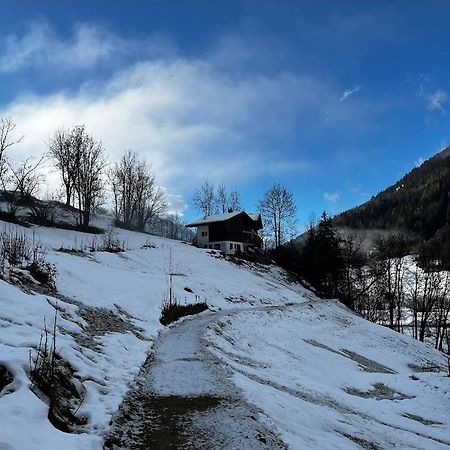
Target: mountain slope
[418, 204]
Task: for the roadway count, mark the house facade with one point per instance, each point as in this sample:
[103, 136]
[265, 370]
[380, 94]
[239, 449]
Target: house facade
[230, 232]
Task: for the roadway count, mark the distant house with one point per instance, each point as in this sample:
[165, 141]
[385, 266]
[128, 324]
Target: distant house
[230, 232]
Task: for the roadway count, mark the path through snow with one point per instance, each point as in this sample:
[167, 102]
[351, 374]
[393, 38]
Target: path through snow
[184, 399]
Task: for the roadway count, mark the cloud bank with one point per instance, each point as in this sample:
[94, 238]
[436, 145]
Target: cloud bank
[190, 117]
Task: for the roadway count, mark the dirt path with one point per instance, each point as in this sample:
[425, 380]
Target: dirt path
[184, 399]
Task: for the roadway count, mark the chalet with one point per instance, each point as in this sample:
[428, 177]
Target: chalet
[230, 232]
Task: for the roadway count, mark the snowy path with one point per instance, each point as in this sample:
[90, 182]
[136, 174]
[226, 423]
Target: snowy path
[184, 399]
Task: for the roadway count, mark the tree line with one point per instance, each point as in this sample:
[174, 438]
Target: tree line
[409, 294]
[87, 178]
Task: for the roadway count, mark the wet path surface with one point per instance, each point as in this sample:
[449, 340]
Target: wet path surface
[184, 399]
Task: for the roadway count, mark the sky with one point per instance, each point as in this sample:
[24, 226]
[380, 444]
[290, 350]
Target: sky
[335, 100]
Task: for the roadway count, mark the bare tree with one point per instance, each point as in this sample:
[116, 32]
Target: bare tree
[7, 140]
[390, 253]
[222, 198]
[278, 211]
[442, 312]
[60, 149]
[123, 178]
[81, 162]
[26, 178]
[204, 199]
[151, 204]
[227, 202]
[235, 201]
[90, 164]
[138, 200]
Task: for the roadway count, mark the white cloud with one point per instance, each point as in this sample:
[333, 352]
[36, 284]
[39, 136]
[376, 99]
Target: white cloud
[88, 45]
[186, 119]
[348, 92]
[331, 197]
[437, 100]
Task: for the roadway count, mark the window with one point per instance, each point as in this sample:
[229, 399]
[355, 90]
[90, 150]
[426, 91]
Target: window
[204, 233]
[231, 246]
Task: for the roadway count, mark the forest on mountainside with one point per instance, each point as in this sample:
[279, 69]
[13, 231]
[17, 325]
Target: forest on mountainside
[418, 204]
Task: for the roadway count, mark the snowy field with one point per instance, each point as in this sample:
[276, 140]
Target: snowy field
[322, 377]
[127, 286]
[327, 379]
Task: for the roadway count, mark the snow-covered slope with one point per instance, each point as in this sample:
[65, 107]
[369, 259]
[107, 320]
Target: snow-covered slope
[327, 379]
[109, 306]
[323, 377]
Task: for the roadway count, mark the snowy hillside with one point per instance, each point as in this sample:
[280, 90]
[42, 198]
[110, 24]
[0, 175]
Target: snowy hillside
[327, 379]
[123, 290]
[320, 376]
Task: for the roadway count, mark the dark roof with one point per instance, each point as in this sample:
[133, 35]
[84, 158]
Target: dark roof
[255, 217]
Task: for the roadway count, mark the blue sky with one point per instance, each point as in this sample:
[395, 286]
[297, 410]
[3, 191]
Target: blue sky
[334, 99]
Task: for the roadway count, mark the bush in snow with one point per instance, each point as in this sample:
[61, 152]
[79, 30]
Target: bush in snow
[53, 381]
[17, 250]
[170, 312]
[6, 378]
[109, 243]
[44, 272]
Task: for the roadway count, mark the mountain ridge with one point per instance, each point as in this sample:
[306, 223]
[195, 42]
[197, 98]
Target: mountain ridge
[417, 204]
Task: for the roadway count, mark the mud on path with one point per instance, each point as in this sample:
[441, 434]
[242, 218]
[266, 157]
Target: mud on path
[184, 398]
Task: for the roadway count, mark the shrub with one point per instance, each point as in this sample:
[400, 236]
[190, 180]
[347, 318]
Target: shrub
[43, 213]
[108, 244]
[172, 311]
[44, 272]
[52, 381]
[17, 250]
[6, 377]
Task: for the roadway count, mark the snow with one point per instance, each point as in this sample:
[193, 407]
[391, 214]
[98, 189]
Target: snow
[328, 379]
[223, 218]
[321, 376]
[133, 281]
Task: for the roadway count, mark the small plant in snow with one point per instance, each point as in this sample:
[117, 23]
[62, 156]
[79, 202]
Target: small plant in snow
[109, 243]
[149, 244]
[53, 381]
[15, 249]
[42, 366]
[171, 309]
[44, 272]
[18, 250]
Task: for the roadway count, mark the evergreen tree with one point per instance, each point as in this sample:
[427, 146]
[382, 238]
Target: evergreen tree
[321, 259]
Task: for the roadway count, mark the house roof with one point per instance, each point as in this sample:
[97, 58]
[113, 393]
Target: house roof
[254, 216]
[223, 218]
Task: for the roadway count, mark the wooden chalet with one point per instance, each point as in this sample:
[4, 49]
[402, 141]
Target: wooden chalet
[230, 232]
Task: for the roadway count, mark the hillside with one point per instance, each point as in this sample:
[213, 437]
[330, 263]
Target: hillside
[418, 204]
[267, 345]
